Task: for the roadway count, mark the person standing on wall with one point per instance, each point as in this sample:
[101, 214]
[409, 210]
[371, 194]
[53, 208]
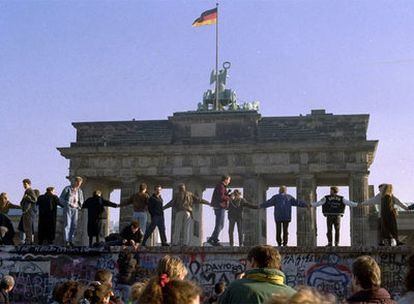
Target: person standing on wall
[220, 202]
[72, 200]
[182, 202]
[96, 214]
[387, 214]
[235, 215]
[47, 204]
[28, 204]
[140, 203]
[333, 208]
[157, 217]
[283, 203]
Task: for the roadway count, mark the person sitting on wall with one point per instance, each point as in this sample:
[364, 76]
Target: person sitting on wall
[333, 208]
[182, 203]
[387, 213]
[283, 203]
[6, 205]
[235, 215]
[260, 282]
[6, 230]
[157, 217]
[97, 214]
[132, 234]
[366, 282]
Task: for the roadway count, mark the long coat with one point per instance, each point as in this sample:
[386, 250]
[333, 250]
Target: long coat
[47, 204]
[96, 213]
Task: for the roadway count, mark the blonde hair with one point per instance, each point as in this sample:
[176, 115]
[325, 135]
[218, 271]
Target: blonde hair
[170, 267]
[173, 267]
[137, 290]
[386, 189]
[305, 295]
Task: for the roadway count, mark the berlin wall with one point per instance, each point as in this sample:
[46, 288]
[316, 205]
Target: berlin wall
[37, 269]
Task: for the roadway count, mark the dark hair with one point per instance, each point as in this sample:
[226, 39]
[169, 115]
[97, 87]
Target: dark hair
[50, 189]
[409, 278]
[67, 292]
[142, 186]
[97, 292]
[157, 186]
[224, 177]
[103, 275]
[335, 189]
[27, 181]
[219, 287]
[367, 272]
[265, 256]
[174, 292]
[135, 223]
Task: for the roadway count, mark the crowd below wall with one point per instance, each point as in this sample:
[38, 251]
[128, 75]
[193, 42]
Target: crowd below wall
[37, 270]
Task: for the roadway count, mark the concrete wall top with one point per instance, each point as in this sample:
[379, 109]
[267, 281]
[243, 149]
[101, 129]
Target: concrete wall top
[224, 127]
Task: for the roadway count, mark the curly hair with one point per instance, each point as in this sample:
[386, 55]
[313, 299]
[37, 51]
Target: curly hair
[68, 292]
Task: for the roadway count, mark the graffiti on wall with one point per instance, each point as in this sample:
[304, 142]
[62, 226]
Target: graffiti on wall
[38, 271]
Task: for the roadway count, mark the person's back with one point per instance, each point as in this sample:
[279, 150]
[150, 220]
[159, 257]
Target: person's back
[366, 283]
[259, 283]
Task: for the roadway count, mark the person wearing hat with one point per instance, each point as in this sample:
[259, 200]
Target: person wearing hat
[333, 208]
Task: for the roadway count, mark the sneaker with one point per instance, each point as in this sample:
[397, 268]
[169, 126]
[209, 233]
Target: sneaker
[211, 241]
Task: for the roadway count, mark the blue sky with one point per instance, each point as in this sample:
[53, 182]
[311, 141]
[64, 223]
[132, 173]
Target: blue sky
[65, 61]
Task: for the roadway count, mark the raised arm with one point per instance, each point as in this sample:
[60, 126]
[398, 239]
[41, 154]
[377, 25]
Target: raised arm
[399, 203]
[269, 203]
[170, 203]
[372, 201]
[319, 203]
[247, 204]
[350, 203]
[109, 204]
[298, 203]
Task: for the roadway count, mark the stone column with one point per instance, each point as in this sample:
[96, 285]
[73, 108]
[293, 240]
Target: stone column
[128, 188]
[306, 218]
[358, 192]
[254, 221]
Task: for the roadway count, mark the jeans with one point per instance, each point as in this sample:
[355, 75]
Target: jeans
[156, 221]
[279, 226]
[71, 222]
[219, 213]
[142, 218]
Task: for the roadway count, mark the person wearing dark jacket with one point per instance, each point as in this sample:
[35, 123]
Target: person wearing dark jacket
[132, 234]
[220, 202]
[5, 204]
[47, 205]
[28, 204]
[283, 203]
[96, 214]
[333, 208]
[366, 283]
[156, 211]
[235, 215]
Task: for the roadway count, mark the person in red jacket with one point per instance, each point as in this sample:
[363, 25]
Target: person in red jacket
[220, 202]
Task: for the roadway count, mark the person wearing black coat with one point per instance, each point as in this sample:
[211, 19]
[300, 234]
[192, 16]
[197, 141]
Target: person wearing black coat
[47, 206]
[96, 214]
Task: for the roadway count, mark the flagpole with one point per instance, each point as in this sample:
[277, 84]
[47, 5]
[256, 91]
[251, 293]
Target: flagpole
[216, 104]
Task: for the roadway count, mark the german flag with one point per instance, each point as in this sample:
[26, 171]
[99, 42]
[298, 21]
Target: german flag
[206, 18]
